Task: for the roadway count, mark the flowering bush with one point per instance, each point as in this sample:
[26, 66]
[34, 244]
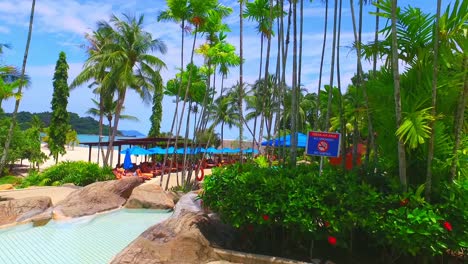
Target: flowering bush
[285, 210]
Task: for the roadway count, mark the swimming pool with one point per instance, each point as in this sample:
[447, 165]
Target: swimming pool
[85, 240]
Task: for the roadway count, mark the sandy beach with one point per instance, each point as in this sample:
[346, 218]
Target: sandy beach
[80, 154]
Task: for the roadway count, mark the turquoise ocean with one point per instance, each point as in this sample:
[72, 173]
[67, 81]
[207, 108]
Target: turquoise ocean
[85, 138]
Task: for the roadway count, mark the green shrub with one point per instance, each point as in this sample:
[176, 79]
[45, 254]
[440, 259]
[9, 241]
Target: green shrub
[79, 173]
[11, 180]
[285, 210]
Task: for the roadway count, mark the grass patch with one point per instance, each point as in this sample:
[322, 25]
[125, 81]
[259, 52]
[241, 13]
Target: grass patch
[11, 180]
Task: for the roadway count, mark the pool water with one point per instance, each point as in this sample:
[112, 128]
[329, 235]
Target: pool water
[84, 240]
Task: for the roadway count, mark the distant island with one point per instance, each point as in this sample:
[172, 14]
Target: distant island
[82, 125]
[131, 133]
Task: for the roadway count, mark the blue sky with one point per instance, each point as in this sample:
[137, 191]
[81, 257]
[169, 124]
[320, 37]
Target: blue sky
[60, 26]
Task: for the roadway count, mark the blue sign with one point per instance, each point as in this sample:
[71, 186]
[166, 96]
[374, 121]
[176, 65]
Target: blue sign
[323, 144]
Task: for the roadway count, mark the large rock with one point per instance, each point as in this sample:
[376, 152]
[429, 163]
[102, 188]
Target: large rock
[189, 202]
[150, 196]
[176, 240]
[96, 197]
[25, 210]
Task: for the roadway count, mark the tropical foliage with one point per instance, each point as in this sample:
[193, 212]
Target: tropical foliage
[79, 173]
[294, 212]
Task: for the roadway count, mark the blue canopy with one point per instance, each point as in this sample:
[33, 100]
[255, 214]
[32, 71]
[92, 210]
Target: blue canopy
[157, 150]
[250, 150]
[136, 151]
[127, 160]
[286, 141]
[210, 150]
[226, 150]
[189, 151]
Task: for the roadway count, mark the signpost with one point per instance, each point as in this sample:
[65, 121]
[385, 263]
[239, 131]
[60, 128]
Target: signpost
[323, 144]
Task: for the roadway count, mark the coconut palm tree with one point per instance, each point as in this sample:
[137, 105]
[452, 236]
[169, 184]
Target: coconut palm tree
[124, 62]
[224, 112]
[109, 107]
[20, 89]
[10, 81]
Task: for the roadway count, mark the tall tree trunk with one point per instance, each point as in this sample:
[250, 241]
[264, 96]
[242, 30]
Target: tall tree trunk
[20, 89]
[371, 144]
[257, 94]
[430, 151]
[332, 67]
[101, 120]
[241, 79]
[118, 110]
[338, 78]
[460, 117]
[184, 102]
[278, 98]
[179, 90]
[398, 114]
[295, 91]
[316, 125]
[187, 130]
[283, 74]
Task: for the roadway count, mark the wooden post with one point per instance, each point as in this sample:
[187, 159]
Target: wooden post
[89, 153]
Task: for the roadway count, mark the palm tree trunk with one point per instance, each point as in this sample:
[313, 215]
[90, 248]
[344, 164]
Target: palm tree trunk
[266, 82]
[338, 78]
[184, 101]
[371, 144]
[174, 118]
[460, 117]
[430, 151]
[118, 110]
[187, 129]
[332, 67]
[283, 73]
[101, 120]
[109, 136]
[295, 91]
[316, 125]
[20, 89]
[397, 95]
[278, 95]
[241, 80]
[259, 78]
[301, 31]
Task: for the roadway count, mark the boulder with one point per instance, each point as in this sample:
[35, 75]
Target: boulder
[25, 210]
[96, 197]
[150, 196]
[6, 187]
[189, 202]
[177, 240]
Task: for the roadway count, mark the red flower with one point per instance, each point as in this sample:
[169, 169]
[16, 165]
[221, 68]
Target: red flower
[332, 240]
[266, 217]
[447, 226]
[327, 224]
[404, 202]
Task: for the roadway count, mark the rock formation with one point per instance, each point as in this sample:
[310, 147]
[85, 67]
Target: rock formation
[150, 196]
[96, 197]
[25, 210]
